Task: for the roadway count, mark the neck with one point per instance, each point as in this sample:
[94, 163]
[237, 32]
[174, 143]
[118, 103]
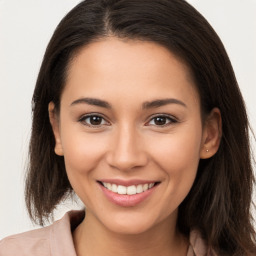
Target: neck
[91, 238]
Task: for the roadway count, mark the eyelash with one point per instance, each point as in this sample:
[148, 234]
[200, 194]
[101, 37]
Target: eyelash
[171, 120]
[167, 118]
[83, 120]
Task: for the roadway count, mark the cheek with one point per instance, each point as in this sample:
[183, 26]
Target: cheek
[178, 156]
[82, 151]
[178, 150]
[82, 154]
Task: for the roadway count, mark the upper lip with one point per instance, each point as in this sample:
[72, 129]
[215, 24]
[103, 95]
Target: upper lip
[127, 182]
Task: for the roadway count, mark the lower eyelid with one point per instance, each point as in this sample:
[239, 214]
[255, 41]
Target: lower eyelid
[84, 117]
[171, 119]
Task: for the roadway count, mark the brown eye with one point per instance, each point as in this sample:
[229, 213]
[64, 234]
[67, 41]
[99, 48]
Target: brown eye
[162, 121]
[93, 120]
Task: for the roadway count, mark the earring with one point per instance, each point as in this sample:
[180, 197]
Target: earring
[207, 150]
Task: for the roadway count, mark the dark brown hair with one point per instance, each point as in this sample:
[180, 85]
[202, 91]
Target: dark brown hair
[218, 204]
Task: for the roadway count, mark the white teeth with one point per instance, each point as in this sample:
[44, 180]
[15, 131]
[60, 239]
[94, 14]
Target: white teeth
[114, 188]
[145, 187]
[130, 190]
[139, 189]
[121, 190]
[150, 185]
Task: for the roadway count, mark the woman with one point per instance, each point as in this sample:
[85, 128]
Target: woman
[137, 110]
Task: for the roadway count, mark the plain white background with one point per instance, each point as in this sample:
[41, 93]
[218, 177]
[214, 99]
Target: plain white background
[25, 29]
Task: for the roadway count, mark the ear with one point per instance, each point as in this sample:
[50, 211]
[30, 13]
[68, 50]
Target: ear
[212, 132]
[54, 120]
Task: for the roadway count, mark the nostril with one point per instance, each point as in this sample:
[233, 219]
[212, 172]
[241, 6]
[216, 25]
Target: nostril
[126, 161]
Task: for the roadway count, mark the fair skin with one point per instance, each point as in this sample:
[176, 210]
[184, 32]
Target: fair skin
[130, 116]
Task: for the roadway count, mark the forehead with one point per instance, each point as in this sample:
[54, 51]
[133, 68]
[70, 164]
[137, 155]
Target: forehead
[125, 53]
[115, 65]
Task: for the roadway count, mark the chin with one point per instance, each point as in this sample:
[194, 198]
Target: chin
[129, 229]
[130, 224]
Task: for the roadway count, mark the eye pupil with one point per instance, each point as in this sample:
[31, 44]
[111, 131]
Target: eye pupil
[160, 120]
[95, 120]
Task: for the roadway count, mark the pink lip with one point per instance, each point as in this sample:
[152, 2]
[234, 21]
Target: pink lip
[127, 182]
[127, 200]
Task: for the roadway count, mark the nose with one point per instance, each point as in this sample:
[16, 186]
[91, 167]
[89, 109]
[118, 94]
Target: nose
[127, 150]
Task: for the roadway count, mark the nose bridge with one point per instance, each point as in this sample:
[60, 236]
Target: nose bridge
[127, 149]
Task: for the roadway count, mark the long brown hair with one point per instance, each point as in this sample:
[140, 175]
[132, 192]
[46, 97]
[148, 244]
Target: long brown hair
[218, 204]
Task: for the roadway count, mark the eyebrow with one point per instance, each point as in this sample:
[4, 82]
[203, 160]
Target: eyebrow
[92, 101]
[146, 105]
[162, 102]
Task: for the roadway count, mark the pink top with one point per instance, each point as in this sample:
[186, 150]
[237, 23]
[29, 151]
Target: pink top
[56, 240]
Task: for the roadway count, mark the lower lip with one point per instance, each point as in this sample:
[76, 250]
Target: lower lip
[127, 200]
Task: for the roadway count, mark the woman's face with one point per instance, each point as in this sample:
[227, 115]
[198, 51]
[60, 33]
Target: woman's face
[129, 120]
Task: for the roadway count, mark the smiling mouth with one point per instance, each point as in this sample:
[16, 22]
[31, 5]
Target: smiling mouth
[128, 190]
